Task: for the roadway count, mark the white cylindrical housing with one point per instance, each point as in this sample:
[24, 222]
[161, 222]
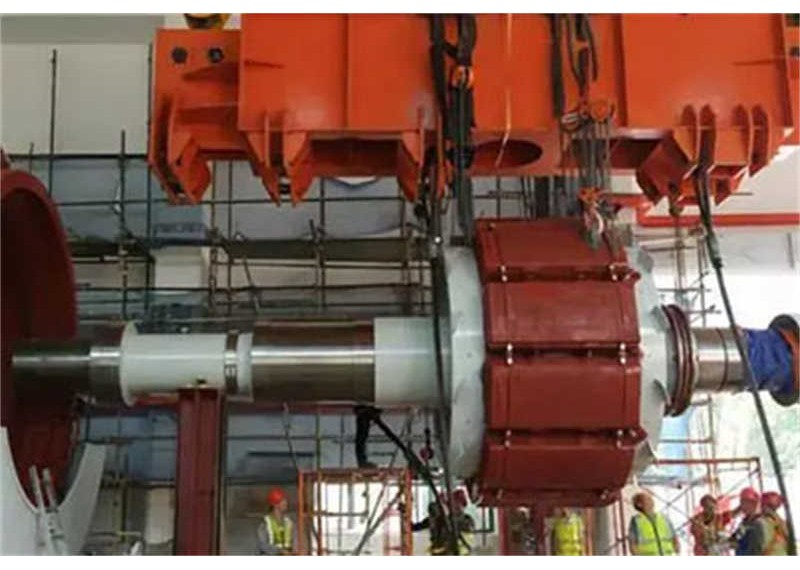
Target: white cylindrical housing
[405, 364]
[153, 363]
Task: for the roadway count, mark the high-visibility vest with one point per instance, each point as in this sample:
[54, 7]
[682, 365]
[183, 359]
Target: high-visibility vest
[279, 534]
[464, 546]
[439, 546]
[654, 535]
[568, 536]
[776, 535]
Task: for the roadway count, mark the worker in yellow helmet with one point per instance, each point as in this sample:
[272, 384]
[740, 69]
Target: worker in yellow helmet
[276, 532]
[773, 532]
[651, 533]
[567, 538]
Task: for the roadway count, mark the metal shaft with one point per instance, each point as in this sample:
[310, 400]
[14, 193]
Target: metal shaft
[47, 362]
[708, 360]
[313, 362]
[719, 367]
[388, 361]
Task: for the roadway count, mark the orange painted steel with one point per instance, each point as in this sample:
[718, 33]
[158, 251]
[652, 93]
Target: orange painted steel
[300, 96]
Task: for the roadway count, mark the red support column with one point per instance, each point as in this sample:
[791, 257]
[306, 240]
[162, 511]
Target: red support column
[197, 483]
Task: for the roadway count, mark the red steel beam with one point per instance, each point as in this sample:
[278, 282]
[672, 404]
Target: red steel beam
[728, 220]
[197, 485]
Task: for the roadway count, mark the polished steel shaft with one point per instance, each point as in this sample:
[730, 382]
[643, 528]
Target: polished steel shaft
[719, 366]
[388, 361]
[313, 362]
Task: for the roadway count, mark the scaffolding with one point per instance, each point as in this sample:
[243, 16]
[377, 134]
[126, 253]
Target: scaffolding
[676, 504]
[677, 483]
[404, 253]
[376, 520]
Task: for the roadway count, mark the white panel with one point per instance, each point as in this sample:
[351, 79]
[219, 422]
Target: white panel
[159, 526]
[24, 97]
[101, 89]
[181, 267]
[18, 531]
[77, 509]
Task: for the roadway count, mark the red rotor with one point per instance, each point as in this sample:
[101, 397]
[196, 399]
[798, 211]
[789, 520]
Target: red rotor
[38, 301]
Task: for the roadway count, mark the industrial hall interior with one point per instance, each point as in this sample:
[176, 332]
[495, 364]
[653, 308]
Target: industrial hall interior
[430, 284]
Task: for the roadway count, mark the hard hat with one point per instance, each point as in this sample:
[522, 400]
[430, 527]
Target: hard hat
[708, 499]
[275, 496]
[460, 497]
[772, 500]
[749, 494]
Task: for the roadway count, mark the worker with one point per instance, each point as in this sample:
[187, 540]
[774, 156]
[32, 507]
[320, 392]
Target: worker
[438, 524]
[567, 538]
[747, 538]
[774, 533]
[276, 532]
[522, 540]
[651, 533]
[708, 528]
[364, 417]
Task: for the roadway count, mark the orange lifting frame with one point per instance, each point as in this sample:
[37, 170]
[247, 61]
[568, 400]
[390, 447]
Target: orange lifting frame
[300, 96]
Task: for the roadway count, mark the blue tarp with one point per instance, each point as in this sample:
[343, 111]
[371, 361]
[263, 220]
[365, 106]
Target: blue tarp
[770, 360]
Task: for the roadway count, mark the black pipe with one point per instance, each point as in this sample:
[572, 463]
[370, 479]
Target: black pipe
[52, 133]
[148, 275]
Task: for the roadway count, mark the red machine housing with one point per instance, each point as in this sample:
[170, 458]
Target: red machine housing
[300, 96]
[38, 302]
[562, 376]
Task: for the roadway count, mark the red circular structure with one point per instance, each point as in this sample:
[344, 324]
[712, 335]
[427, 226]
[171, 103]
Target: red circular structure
[38, 301]
[562, 375]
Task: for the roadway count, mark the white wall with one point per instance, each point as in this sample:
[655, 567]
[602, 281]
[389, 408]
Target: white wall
[100, 90]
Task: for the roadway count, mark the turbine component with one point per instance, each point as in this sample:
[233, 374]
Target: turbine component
[559, 363]
[38, 302]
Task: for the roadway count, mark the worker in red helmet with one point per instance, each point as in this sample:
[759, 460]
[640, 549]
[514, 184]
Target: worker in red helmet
[651, 533]
[774, 533]
[748, 537]
[276, 532]
[708, 528]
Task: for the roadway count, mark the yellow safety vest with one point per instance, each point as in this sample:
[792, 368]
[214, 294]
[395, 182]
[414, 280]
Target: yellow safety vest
[464, 546]
[775, 536]
[465, 543]
[568, 536]
[652, 533]
[279, 535]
